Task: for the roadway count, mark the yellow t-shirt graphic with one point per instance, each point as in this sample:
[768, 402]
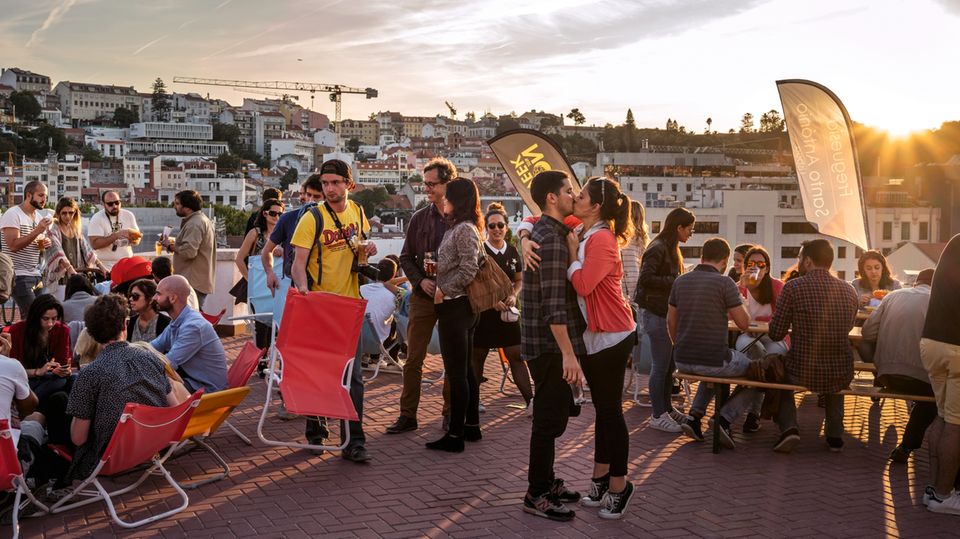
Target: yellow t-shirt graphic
[336, 252]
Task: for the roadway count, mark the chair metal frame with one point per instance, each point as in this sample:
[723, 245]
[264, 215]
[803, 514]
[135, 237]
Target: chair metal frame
[214, 409]
[11, 466]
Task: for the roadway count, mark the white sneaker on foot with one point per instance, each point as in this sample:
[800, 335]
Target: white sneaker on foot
[665, 423]
[949, 506]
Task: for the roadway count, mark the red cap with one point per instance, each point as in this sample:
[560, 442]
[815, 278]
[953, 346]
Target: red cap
[129, 269]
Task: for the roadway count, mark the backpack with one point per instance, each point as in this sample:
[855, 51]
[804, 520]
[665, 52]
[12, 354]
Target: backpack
[6, 277]
[318, 225]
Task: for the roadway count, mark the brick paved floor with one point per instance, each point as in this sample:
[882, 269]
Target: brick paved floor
[406, 491]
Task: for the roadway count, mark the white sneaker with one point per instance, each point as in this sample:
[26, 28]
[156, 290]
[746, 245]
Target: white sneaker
[529, 410]
[949, 506]
[679, 417]
[665, 423]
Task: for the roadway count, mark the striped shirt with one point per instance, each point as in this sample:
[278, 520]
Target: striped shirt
[702, 298]
[26, 261]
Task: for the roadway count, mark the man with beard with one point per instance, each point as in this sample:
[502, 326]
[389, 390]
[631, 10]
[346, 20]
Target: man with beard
[24, 239]
[113, 230]
[195, 249]
[189, 341]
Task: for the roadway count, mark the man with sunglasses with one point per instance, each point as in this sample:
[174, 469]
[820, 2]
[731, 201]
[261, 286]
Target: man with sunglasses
[424, 235]
[113, 230]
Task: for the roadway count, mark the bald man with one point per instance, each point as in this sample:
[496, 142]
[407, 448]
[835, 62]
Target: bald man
[190, 342]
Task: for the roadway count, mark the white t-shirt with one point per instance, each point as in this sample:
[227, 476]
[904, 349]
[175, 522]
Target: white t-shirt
[381, 303]
[756, 310]
[101, 225]
[13, 384]
[26, 261]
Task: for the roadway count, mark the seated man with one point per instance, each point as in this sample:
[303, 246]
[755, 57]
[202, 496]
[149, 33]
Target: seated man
[895, 328]
[700, 304]
[381, 305]
[15, 390]
[190, 342]
[121, 373]
[821, 309]
[161, 268]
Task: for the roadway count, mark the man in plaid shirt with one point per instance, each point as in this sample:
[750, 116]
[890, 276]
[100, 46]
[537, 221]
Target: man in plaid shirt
[822, 310]
[552, 338]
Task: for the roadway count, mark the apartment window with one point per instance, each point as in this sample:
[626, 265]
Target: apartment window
[691, 252]
[842, 275]
[797, 228]
[750, 227]
[673, 187]
[905, 231]
[789, 252]
[659, 187]
[887, 230]
[655, 227]
[842, 252]
[924, 231]
[706, 227]
[689, 187]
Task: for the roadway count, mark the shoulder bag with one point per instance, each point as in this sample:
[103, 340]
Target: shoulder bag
[491, 284]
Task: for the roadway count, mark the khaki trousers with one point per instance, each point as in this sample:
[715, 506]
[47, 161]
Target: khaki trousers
[423, 318]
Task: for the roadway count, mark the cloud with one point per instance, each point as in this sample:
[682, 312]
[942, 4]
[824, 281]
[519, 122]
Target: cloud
[154, 42]
[951, 6]
[223, 4]
[55, 15]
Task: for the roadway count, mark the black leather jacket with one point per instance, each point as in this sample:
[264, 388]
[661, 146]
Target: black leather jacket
[658, 270]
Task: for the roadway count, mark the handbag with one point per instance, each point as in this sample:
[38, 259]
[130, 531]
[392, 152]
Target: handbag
[239, 291]
[490, 286]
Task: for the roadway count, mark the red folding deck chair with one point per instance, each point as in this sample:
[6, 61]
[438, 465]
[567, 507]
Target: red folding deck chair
[142, 433]
[11, 476]
[239, 374]
[214, 319]
[312, 360]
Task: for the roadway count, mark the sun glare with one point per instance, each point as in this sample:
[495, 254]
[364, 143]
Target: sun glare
[901, 126]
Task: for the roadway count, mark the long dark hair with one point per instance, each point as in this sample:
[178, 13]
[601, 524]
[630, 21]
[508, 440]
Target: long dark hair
[462, 194]
[886, 279]
[260, 222]
[78, 282]
[35, 355]
[614, 206]
[678, 217]
[147, 287]
[766, 284]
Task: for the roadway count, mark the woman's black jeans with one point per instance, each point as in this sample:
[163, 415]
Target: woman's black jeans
[455, 324]
[604, 372]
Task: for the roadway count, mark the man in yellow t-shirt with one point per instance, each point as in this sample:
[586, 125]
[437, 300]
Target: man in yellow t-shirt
[342, 223]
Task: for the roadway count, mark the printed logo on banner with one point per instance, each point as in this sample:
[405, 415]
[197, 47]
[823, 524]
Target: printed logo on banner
[529, 163]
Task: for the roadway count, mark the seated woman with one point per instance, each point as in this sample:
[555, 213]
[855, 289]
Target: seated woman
[761, 291]
[145, 322]
[42, 344]
[80, 294]
[121, 373]
[875, 276]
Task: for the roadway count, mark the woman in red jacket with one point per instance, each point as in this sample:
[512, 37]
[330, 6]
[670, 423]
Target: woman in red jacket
[42, 344]
[596, 272]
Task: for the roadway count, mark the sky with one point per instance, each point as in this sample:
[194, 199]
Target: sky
[891, 62]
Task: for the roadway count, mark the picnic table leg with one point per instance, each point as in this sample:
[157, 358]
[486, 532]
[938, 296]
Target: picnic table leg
[721, 391]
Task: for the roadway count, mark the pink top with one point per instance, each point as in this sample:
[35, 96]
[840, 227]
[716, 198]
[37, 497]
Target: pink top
[598, 282]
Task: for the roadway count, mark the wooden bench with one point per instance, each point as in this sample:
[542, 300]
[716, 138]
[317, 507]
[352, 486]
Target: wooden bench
[863, 366]
[723, 391]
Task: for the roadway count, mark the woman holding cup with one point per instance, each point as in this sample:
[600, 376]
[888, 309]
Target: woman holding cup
[761, 291]
[69, 250]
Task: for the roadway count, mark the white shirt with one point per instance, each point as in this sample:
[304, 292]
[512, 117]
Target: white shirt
[13, 384]
[381, 303]
[26, 261]
[102, 225]
[756, 310]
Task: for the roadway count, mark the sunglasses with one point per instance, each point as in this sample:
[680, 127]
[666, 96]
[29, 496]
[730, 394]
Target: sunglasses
[273, 213]
[113, 203]
[753, 264]
[136, 297]
[67, 213]
[501, 226]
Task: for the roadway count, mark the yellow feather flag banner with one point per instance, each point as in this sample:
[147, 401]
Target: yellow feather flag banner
[825, 153]
[524, 153]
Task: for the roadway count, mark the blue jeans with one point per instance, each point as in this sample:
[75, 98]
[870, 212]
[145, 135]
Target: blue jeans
[743, 398]
[24, 292]
[661, 365]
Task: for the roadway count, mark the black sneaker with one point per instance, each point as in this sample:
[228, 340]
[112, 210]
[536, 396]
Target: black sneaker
[900, 455]
[691, 427]
[751, 423]
[835, 444]
[788, 440]
[357, 454]
[547, 506]
[562, 493]
[594, 498]
[615, 504]
[726, 438]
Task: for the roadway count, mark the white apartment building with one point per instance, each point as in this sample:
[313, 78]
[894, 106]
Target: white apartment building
[65, 177]
[267, 126]
[138, 170]
[228, 189]
[114, 149]
[292, 152]
[394, 171]
[82, 101]
[53, 117]
[171, 178]
[22, 80]
[190, 108]
[170, 131]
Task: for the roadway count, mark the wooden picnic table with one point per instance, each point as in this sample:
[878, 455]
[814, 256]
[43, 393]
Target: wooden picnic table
[856, 334]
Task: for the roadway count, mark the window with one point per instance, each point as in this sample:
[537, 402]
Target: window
[842, 275]
[750, 227]
[905, 231]
[630, 186]
[673, 187]
[842, 251]
[924, 231]
[706, 227]
[655, 227]
[659, 187]
[691, 252]
[643, 186]
[888, 230]
[689, 187]
[797, 228]
[789, 252]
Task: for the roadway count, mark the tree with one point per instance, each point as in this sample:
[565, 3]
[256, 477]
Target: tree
[228, 133]
[391, 189]
[371, 199]
[160, 102]
[289, 177]
[228, 162]
[92, 154]
[746, 123]
[123, 117]
[629, 122]
[709, 123]
[46, 133]
[353, 145]
[27, 107]
[577, 117]
[507, 123]
[770, 122]
[372, 117]
[471, 117]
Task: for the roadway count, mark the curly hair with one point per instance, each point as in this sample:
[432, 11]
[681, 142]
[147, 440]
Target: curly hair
[446, 170]
[107, 317]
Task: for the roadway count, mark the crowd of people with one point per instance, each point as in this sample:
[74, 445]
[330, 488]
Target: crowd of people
[586, 287]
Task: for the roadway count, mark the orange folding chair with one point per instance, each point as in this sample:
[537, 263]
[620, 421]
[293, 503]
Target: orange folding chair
[213, 411]
[142, 434]
[11, 476]
[312, 360]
